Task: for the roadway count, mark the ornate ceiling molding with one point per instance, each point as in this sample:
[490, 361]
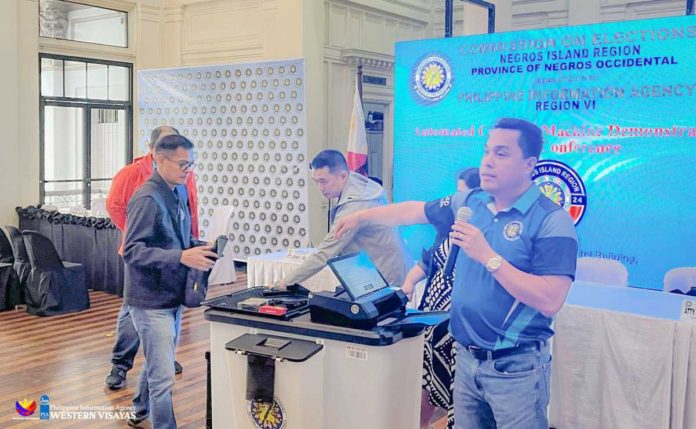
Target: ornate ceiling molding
[369, 60]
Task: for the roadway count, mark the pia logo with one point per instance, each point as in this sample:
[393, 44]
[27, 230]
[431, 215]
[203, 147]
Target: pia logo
[44, 408]
[25, 408]
[433, 78]
[562, 185]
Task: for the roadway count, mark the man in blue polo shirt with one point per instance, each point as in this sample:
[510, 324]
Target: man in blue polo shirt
[516, 263]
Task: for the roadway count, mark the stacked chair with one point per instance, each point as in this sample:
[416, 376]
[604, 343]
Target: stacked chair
[11, 291]
[53, 286]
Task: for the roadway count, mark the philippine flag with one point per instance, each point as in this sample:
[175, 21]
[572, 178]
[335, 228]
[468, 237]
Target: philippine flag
[357, 137]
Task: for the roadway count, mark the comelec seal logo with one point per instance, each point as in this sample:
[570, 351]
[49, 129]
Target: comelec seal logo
[562, 185]
[512, 230]
[433, 78]
[266, 415]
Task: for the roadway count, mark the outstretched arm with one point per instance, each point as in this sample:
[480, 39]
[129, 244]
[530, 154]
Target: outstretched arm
[329, 247]
[406, 213]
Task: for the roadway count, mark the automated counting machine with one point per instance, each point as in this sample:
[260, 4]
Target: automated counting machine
[345, 360]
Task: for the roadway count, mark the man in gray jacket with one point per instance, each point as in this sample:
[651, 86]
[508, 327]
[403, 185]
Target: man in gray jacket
[354, 192]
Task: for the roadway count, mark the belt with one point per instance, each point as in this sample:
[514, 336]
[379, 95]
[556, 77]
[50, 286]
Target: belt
[483, 354]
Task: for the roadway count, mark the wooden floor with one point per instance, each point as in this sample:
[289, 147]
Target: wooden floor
[67, 358]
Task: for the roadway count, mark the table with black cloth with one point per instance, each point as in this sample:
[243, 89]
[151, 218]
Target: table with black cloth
[90, 241]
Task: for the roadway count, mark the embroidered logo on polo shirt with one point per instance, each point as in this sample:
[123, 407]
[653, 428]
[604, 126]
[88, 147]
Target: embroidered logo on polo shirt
[512, 230]
[444, 202]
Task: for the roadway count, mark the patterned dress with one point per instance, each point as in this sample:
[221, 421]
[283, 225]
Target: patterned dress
[438, 355]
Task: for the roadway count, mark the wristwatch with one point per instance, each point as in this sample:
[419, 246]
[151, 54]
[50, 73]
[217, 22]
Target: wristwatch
[494, 263]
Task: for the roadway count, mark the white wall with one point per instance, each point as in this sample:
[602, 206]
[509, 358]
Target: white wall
[19, 108]
[313, 28]
[9, 115]
[364, 32]
[200, 32]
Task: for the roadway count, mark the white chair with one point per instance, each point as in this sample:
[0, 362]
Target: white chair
[223, 271]
[602, 271]
[683, 278]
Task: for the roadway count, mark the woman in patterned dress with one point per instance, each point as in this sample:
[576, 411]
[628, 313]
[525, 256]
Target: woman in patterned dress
[438, 354]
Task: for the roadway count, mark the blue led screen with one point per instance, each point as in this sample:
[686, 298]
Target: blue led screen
[616, 103]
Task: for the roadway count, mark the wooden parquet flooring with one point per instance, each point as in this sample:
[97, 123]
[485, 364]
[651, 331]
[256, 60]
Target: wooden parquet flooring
[67, 358]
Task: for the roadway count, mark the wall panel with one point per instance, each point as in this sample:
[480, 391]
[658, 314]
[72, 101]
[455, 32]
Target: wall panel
[247, 122]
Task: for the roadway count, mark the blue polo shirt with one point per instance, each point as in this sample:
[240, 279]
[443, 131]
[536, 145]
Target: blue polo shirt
[535, 235]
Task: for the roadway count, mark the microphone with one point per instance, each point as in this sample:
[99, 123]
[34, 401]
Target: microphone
[464, 214]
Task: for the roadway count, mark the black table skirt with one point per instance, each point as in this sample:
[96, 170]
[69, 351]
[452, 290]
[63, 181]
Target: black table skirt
[92, 242]
[10, 292]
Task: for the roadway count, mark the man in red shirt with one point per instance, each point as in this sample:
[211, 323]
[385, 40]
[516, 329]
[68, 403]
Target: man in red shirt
[123, 186]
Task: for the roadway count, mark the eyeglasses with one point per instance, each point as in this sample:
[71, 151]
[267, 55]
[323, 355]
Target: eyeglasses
[183, 165]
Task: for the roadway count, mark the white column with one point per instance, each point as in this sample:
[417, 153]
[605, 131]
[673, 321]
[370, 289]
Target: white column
[171, 34]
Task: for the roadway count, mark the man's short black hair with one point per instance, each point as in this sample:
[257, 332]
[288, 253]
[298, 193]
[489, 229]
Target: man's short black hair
[155, 134]
[531, 138]
[330, 158]
[471, 177]
[172, 142]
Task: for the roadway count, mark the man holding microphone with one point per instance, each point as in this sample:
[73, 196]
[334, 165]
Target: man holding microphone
[517, 261]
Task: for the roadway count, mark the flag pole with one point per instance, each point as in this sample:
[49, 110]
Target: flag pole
[360, 75]
[357, 151]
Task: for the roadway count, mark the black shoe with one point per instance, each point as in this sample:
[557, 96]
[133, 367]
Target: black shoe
[177, 368]
[117, 379]
[135, 423]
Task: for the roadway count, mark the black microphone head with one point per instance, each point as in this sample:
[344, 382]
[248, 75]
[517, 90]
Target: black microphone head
[465, 214]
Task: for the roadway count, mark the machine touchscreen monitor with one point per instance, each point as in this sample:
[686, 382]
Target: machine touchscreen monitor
[358, 274]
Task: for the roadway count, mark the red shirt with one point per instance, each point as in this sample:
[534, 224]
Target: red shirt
[128, 180]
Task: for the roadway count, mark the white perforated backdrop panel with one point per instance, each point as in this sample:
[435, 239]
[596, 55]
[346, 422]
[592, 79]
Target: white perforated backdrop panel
[247, 122]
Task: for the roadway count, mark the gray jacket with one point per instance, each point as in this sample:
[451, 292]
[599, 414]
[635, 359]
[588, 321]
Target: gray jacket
[382, 243]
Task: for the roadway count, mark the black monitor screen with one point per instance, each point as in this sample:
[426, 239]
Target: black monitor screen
[358, 274]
